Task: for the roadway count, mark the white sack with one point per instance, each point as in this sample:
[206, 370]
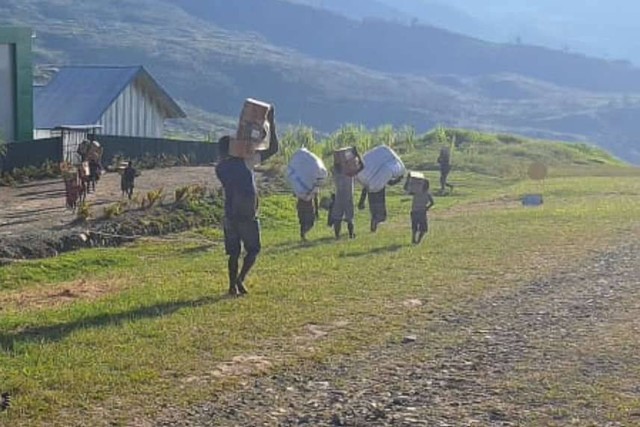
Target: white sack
[306, 172]
[381, 165]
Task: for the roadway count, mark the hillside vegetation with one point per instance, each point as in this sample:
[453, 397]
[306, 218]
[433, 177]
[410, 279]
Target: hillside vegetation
[499, 155]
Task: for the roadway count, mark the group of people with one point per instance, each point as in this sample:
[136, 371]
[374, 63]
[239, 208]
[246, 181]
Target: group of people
[341, 208]
[241, 224]
[90, 154]
[83, 178]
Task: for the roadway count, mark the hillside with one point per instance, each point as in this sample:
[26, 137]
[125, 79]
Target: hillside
[594, 27]
[597, 27]
[395, 48]
[210, 63]
[429, 12]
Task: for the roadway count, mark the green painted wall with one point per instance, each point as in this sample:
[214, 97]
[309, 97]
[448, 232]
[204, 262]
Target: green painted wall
[20, 38]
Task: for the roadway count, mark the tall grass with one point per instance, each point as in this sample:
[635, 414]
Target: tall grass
[501, 155]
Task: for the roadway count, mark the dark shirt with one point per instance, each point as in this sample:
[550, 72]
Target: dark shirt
[422, 201]
[241, 195]
[129, 175]
[444, 160]
[309, 207]
[239, 183]
[94, 166]
[375, 199]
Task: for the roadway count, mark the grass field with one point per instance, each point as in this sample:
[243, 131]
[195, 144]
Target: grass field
[109, 336]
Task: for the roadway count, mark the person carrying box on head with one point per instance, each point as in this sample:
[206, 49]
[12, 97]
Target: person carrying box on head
[235, 172]
[347, 164]
[418, 186]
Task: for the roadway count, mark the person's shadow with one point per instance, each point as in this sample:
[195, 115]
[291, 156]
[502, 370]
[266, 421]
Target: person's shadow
[9, 341]
[374, 251]
[288, 246]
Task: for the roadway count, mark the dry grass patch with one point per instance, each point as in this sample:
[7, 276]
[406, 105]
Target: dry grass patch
[61, 294]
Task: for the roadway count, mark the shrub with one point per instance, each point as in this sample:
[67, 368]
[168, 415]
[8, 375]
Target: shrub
[84, 211]
[190, 193]
[154, 197]
[29, 173]
[115, 210]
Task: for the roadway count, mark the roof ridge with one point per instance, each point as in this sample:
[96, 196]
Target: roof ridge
[97, 66]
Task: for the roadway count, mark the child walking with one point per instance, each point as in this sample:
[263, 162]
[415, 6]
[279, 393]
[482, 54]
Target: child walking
[127, 181]
[420, 205]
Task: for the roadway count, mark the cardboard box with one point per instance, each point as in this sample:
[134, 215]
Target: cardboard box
[348, 161]
[121, 167]
[253, 127]
[415, 182]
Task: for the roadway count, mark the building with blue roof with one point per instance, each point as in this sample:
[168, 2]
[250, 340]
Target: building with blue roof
[116, 100]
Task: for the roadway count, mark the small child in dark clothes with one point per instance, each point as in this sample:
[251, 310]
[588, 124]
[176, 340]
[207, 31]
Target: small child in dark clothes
[307, 215]
[421, 203]
[127, 181]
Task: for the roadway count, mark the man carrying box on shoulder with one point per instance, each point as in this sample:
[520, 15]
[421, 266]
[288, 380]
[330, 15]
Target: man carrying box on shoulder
[241, 224]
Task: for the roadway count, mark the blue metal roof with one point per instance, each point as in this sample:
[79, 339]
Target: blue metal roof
[80, 95]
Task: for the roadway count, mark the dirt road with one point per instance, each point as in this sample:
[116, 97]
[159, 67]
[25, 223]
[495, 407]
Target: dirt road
[40, 206]
[562, 351]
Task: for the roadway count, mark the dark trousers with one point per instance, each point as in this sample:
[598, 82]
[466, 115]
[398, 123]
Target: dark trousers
[242, 233]
[239, 234]
[419, 221]
[444, 175]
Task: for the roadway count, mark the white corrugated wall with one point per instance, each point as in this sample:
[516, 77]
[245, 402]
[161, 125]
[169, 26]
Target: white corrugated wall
[133, 113]
[42, 133]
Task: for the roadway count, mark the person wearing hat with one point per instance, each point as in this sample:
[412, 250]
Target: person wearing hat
[241, 224]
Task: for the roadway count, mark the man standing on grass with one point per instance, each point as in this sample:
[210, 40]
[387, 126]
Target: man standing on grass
[241, 224]
[444, 160]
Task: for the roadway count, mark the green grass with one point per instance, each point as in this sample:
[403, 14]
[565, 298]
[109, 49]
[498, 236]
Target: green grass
[160, 324]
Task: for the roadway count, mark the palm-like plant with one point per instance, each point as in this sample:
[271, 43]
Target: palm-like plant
[408, 136]
[386, 135]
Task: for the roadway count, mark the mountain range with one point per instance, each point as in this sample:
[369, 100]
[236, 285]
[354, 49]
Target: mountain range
[324, 68]
[595, 27]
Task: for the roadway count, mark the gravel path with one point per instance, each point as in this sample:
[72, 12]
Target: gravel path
[40, 206]
[554, 352]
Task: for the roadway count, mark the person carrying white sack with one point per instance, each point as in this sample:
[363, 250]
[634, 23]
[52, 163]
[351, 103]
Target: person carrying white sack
[377, 204]
[306, 172]
[383, 167]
